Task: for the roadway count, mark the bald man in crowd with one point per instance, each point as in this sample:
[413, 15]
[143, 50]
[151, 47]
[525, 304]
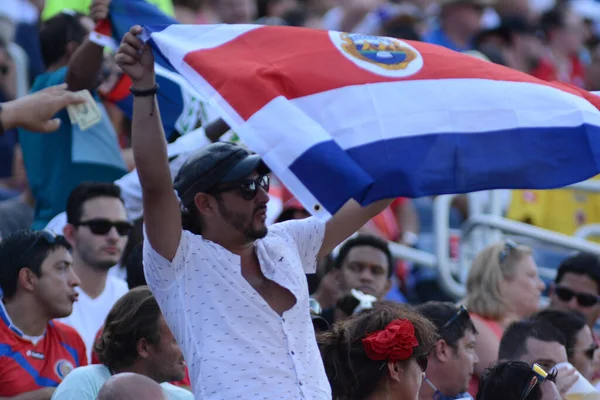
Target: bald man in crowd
[128, 385]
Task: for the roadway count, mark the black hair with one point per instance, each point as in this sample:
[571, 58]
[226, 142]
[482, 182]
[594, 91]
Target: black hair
[57, 32]
[581, 264]
[506, 380]
[135, 267]
[439, 313]
[24, 249]
[86, 191]
[552, 20]
[514, 340]
[567, 322]
[369, 241]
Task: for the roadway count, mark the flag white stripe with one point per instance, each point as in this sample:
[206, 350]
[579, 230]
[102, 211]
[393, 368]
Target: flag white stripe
[403, 109]
[176, 41]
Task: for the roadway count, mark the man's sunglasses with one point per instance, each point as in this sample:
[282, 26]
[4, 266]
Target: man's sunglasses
[583, 299]
[509, 247]
[589, 351]
[103, 226]
[538, 376]
[248, 187]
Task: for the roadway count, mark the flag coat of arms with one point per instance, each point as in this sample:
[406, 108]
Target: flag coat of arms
[339, 116]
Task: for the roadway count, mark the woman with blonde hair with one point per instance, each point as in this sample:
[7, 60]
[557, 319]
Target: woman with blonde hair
[503, 286]
[379, 354]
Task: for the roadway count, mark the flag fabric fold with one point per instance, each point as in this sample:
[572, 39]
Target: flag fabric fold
[339, 116]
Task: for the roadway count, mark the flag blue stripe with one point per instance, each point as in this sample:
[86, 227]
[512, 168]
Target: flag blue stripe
[73, 353]
[532, 158]
[123, 15]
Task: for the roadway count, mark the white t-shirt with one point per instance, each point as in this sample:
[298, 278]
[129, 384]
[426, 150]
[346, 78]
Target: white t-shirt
[84, 383]
[89, 314]
[235, 344]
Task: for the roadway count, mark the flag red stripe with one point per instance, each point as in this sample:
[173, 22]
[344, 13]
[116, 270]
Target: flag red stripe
[268, 62]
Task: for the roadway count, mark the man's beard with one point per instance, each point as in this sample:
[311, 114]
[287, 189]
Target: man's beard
[101, 265]
[243, 223]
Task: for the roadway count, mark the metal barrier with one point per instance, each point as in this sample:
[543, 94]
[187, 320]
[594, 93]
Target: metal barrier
[486, 225]
[587, 231]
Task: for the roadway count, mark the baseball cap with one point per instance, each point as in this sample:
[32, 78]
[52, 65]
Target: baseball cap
[221, 162]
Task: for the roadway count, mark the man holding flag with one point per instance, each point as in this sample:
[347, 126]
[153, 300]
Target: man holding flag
[233, 292]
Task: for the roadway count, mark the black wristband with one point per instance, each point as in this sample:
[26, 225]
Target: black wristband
[145, 92]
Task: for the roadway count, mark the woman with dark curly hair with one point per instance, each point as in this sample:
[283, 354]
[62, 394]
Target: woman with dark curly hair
[380, 354]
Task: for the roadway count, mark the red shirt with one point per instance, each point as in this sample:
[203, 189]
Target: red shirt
[546, 70]
[25, 367]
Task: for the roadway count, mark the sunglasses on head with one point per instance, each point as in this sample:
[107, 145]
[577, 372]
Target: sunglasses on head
[46, 235]
[583, 299]
[248, 187]
[462, 310]
[509, 247]
[103, 226]
[538, 376]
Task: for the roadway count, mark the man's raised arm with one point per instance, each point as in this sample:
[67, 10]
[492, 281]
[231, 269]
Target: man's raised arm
[162, 216]
[350, 218]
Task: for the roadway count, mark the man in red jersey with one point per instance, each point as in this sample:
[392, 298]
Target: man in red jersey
[38, 285]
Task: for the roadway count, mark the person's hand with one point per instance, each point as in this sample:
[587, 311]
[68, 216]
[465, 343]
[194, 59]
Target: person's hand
[136, 60]
[34, 111]
[567, 376]
[328, 292]
[99, 10]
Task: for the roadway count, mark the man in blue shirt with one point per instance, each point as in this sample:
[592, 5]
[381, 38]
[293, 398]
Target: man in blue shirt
[56, 163]
[459, 23]
[453, 357]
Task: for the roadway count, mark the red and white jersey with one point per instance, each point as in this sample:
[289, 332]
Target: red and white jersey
[28, 364]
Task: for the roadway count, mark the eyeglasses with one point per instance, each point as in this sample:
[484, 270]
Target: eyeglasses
[422, 361]
[248, 187]
[461, 311]
[103, 226]
[583, 299]
[509, 247]
[588, 351]
[46, 235]
[539, 376]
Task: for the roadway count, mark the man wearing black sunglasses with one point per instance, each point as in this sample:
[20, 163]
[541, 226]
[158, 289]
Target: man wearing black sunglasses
[233, 292]
[98, 229]
[577, 286]
[579, 342]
